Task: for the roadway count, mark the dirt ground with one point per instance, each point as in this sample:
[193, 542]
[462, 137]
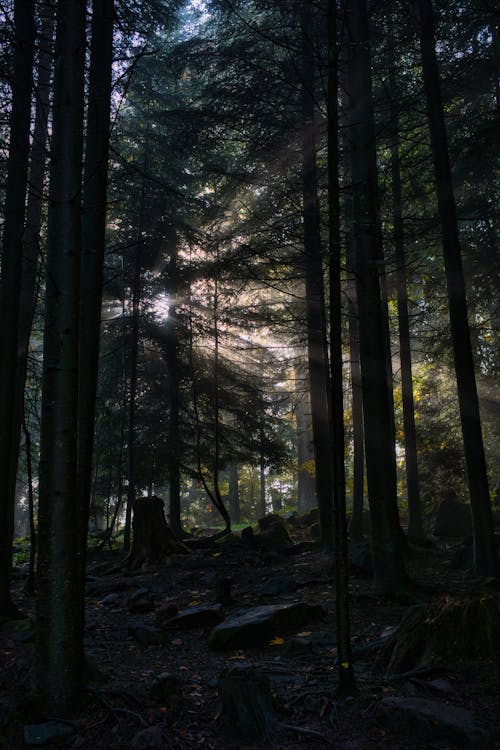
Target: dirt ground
[119, 710]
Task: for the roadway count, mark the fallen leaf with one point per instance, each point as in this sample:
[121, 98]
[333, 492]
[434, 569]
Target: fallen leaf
[278, 641]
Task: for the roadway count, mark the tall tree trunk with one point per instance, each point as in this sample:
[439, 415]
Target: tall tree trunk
[315, 296]
[358, 450]
[134, 353]
[306, 491]
[234, 494]
[30, 583]
[485, 558]
[262, 485]
[215, 475]
[388, 565]
[174, 517]
[93, 246]
[60, 595]
[345, 682]
[415, 529]
[10, 280]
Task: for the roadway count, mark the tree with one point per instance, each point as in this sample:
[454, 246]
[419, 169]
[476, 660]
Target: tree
[315, 296]
[388, 566]
[10, 280]
[485, 558]
[95, 183]
[346, 674]
[415, 529]
[60, 594]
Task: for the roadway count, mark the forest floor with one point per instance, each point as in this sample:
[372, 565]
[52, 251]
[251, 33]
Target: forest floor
[122, 710]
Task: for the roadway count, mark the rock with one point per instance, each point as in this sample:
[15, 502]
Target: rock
[49, 731]
[279, 585]
[298, 646]
[147, 635]
[202, 616]
[166, 611]
[453, 519]
[111, 600]
[140, 601]
[257, 626]
[312, 516]
[272, 519]
[425, 719]
[152, 738]
[166, 689]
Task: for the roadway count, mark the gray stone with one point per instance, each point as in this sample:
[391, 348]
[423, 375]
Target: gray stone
[279, 585]
[202, 616]
[424, 719]
[147, 635]
[140, 601]
[50, 731]
[257, 626]
[111, 599]
[166, 689]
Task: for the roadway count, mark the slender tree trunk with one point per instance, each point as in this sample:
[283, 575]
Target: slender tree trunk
[215, 476]
[306, 490]
[415, 529]
[31, 239]
[172, 356]
[60, 596]
[93, 246]
[262, 486]
[345, 682]
[315, 296]
[485, 558]
[30, 583]
[10, 279]
[356, 524]
[234, 495]
[388, 564]
[134, 352]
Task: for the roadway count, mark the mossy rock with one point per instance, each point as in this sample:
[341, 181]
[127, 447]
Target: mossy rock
[447, 631]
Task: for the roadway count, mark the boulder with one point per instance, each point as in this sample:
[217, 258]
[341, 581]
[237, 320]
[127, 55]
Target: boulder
[140, 601]
[259, 625]
[146, 635]
[48, 732]
[425, 720]
[201, 616]
[453, 519]
[166, 689]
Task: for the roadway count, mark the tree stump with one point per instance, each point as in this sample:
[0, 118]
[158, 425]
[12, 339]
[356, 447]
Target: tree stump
[246, 704]
[152, 541]
[450, 630]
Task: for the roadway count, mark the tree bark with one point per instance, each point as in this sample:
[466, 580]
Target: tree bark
[345, 680]
[485, 557]
[315, 296]
[60, 595]
[415, 529]
[153, 540]
[93, 247]
[306, 490]
[10, 280]
[388, 565]
[174, 513]
[234, 494]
